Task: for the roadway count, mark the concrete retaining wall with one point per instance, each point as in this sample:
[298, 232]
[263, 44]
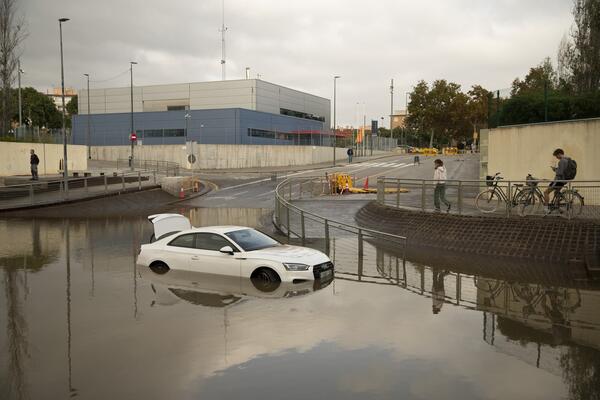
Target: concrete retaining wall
[516, 151]
[225, 156]
[14, 158]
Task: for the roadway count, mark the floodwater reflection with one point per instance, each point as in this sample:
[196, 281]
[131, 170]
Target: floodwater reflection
[83, 320]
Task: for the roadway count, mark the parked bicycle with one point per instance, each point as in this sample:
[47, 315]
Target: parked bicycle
[528, 198]
[490, 199]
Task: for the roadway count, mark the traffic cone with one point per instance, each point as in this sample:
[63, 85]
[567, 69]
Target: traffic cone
[181, 193]
[366, 185]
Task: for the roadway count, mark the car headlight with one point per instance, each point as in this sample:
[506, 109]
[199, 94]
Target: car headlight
[295, 267]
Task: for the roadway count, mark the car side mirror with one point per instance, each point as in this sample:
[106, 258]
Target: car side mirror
[227, 250]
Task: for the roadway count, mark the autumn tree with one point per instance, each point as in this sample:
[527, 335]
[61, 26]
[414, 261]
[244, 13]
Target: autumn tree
[12, 33]
[579, 54]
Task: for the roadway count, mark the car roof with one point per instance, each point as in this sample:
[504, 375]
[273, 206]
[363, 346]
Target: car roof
[221, 229]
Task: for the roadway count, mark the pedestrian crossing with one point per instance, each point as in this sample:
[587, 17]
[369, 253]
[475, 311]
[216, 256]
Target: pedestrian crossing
[385, 164]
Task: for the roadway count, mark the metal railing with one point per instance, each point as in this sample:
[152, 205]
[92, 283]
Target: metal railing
[45, 192]
[418, 194]
[349, 246]
[167, 167]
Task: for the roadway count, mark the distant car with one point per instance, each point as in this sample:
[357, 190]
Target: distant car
[229, 250]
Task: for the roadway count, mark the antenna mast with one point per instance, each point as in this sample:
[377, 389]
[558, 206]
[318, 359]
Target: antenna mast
[223, 29]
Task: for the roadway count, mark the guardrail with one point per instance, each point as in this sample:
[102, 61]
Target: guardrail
[52, 191]
[168, 167]
[348, 245]
[580, 199]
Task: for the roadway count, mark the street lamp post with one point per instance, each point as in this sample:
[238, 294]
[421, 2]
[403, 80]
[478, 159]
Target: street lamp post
[88, 133]
[131, 64]
[64, 129]
[20, 71]
[334, 140]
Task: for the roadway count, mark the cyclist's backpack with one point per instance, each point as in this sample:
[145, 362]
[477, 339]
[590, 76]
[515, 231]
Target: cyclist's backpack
[571, 169]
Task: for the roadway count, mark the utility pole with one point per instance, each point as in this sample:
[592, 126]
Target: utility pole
[131, 64]
[64, 123]
[88, 132]
[223, 30]
[334, 139]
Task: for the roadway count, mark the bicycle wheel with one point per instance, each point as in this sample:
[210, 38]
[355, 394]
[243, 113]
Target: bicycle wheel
[529, 203]
[487, 201]
[573, 203]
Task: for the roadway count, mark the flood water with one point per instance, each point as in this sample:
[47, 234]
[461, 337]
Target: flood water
[78, 319]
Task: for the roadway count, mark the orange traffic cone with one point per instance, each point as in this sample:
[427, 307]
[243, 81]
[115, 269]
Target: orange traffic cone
[181, 193]
[366, 185]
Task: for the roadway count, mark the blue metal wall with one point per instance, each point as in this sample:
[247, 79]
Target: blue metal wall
[221, 126]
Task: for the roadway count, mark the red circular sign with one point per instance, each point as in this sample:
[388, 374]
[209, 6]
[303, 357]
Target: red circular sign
[133, 137]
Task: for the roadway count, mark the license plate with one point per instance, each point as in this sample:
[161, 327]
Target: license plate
[326, 274]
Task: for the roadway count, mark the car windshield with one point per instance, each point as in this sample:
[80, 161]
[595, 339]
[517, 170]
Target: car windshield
[249, 239]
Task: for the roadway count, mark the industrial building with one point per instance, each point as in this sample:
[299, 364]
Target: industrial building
[249, 111]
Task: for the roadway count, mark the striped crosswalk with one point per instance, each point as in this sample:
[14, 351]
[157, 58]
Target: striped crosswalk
[385, 164]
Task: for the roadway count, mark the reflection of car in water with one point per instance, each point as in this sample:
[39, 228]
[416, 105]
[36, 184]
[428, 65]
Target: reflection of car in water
[220, 291]
[231, 251]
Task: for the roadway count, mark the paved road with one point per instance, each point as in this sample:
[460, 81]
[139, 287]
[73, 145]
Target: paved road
[259, 192]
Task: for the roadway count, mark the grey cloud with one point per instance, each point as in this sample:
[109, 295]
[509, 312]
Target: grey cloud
[296, 44]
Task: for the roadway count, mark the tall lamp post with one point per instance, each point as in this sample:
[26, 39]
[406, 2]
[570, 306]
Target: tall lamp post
[132, 132]
[334, 140]
[64, 129]
[20, 71]
[87, 136]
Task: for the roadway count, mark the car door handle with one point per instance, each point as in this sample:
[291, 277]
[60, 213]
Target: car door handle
[195, 258]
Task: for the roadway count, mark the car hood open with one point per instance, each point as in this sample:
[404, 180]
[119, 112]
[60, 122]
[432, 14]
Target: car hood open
[288, 253]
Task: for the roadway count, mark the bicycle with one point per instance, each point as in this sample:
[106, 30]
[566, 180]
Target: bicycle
[489, 200]
[565, 200]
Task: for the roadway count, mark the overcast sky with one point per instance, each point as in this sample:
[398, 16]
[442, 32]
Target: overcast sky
[299, 44]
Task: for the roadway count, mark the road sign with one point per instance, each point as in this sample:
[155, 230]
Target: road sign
[133, 137]
[374, 127]
[191, 159]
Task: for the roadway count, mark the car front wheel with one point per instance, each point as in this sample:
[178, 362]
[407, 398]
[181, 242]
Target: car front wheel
[265, 279]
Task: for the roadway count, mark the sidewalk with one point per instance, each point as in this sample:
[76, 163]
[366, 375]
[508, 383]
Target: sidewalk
[47, 192]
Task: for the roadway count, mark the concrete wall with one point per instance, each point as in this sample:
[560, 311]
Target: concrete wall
[211, 156]
[14, 158]
[516, 151]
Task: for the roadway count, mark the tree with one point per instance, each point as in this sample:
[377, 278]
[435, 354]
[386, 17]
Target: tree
[536, 80]
[579, 56]
[72, 106]
[38, 109]
[12, 34]
[478, 105]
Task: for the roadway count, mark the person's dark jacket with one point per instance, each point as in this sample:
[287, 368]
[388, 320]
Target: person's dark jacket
[34, 160]
[350, 152]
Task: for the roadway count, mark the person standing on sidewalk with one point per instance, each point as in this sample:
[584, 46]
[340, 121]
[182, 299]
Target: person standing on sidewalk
[34, 161]
[350, 153]
[439, 178]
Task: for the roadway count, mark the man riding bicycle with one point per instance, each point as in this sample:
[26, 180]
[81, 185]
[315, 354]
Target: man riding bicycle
[565, 170]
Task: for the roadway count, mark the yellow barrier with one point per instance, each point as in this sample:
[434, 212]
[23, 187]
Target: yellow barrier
[450, 151]
[429, 151]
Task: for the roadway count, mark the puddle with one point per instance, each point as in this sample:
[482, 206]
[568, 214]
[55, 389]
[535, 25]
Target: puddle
[80, 319]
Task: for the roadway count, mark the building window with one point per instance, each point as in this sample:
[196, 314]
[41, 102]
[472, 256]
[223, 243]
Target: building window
[176, 108]
[261, 133]
[153, 133]
[174, 132]
[298, 114]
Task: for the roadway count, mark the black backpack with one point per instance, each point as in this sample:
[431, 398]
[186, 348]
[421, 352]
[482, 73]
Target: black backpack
[571, 169]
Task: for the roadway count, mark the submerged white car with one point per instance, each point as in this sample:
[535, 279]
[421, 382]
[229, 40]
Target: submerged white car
[229, 250]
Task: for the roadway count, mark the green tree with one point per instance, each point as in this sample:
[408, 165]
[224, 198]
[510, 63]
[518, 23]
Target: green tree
[478, 105]
[72, 107]
[536, 79]
[38, 109]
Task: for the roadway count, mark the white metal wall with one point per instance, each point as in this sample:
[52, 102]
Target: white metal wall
[250, 94]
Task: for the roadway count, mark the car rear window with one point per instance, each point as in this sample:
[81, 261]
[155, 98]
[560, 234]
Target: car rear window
[183, 241]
